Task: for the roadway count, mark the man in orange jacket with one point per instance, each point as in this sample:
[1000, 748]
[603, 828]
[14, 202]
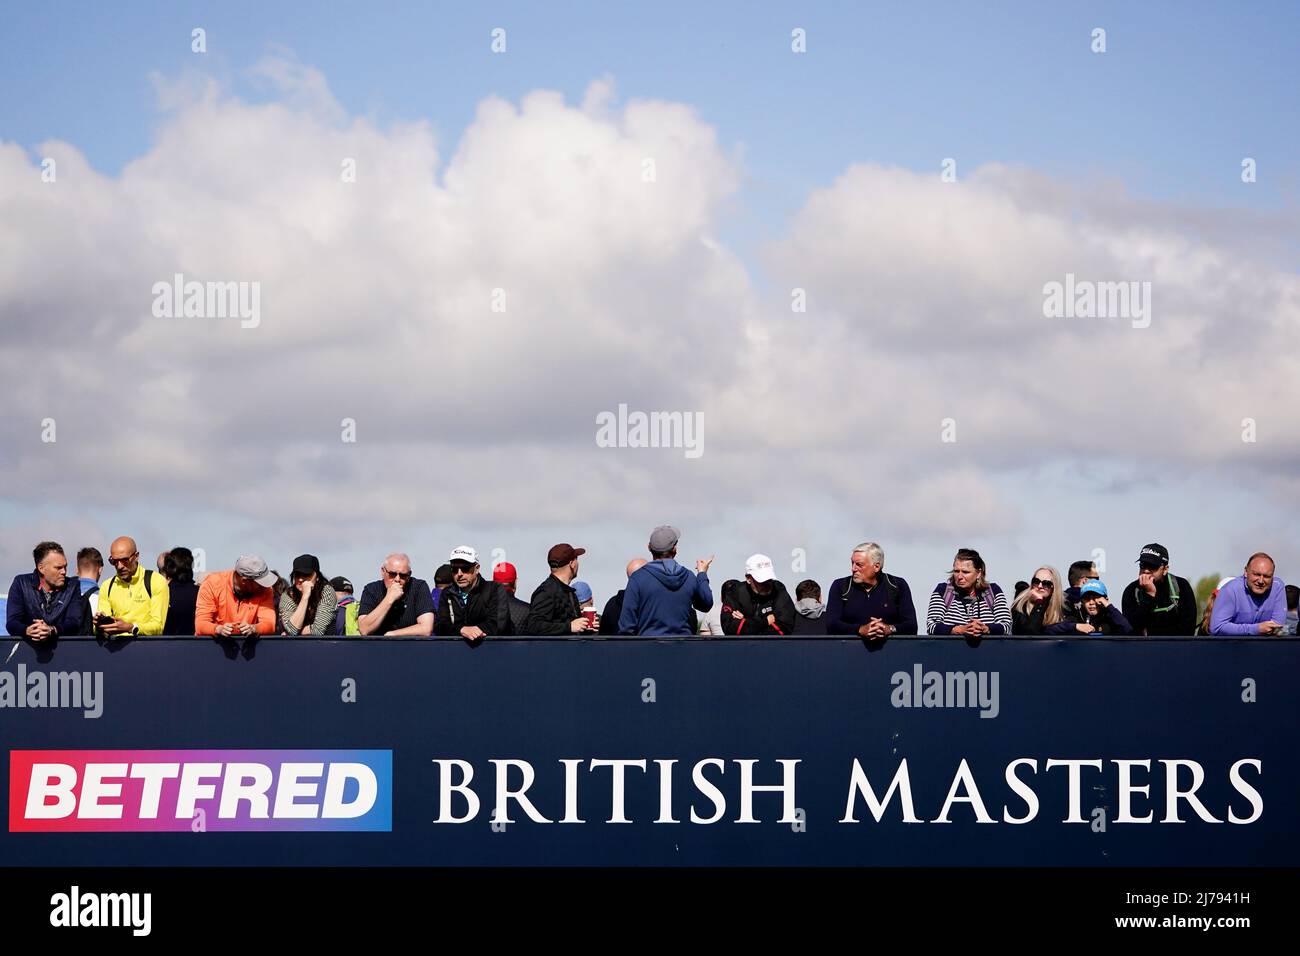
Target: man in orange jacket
[237, 603]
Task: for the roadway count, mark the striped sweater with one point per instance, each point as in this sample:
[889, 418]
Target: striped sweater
[990, 607]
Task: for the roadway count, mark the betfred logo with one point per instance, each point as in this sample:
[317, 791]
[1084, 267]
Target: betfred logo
[150, 790]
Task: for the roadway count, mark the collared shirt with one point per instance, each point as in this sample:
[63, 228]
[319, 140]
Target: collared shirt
[130, 601]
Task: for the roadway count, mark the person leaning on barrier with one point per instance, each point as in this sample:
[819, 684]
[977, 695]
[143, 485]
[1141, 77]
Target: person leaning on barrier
[1159, 603]
[1254, 603]
[554, 608]
[182, 592]
[135, 600]
[869, 602]
[968, 603]
[760, 604]
[1095, 614]
[90, 567]
[345, 617]
[808, 604]
[1040, 609]
[398, 604]
[514, 610]
[45, 604]
[237, 603]
[310, 603]
[471, 606]
[661, 594]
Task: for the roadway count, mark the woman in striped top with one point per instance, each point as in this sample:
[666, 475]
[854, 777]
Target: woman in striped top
[967, 603]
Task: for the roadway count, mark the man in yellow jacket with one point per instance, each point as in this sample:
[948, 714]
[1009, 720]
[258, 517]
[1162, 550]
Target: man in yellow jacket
[134, 599]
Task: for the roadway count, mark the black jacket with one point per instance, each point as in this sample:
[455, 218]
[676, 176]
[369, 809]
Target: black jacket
[553, 608]
[738, 596]
[613, 611]
[481, 610]
[1180, 621]
[513, 613]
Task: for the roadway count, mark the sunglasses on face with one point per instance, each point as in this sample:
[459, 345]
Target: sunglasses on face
[467, 569]
[116, 561]
[1040, 583]
[401, 575]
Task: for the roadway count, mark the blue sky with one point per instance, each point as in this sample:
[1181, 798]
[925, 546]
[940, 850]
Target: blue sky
[1183, 92]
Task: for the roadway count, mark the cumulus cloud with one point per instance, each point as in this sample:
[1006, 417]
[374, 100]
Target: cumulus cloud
[597, 225]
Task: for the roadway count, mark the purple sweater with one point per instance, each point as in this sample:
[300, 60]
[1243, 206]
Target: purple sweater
[1237, 611]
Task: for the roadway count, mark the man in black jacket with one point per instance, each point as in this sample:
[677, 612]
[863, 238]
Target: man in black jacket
[514, 611]
[471, 606]
[554, 607]
[758, 605]
[1159, 603]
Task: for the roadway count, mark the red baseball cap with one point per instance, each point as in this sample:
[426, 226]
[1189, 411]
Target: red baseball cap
[505, 573]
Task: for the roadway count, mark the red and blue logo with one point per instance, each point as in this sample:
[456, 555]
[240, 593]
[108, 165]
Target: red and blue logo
[136, 791]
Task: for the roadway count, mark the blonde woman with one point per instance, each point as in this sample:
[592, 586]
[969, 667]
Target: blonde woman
[1040, 608]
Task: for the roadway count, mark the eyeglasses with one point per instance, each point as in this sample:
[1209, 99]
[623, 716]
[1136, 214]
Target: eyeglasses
[1040, 583]
[401, 575]
[116, 561]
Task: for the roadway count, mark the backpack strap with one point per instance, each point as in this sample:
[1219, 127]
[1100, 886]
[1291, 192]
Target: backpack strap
[148, 585]
[949, 593]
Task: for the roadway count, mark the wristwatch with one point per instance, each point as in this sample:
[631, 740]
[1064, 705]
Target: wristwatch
[135, 630]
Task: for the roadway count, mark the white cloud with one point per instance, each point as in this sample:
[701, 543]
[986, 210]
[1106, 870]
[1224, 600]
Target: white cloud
[925, 303]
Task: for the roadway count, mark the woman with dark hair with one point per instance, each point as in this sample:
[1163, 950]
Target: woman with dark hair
[309, 604]
[1040, 608]
[967, 603]
[183, 593]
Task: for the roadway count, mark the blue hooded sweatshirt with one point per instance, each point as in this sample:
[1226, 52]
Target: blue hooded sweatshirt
[659, 598]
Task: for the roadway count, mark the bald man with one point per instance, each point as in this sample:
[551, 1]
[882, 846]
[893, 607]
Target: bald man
[134, 601]
[614, 606]
[397, 604]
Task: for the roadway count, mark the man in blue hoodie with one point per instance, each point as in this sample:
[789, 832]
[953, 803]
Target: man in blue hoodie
[659, 596]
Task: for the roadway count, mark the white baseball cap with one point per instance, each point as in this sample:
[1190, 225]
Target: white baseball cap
[759, 567]
[464, 553]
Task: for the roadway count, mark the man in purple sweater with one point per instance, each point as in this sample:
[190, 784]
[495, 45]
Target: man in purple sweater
[1254, 603]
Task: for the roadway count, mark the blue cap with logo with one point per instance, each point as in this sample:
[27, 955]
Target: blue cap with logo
[1092, 586]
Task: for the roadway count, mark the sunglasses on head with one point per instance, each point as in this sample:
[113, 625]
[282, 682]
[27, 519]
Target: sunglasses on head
[1040, 583]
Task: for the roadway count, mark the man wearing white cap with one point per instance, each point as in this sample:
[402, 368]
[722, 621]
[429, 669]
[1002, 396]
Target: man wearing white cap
[238, 602]
[758, 605]
[470, 607]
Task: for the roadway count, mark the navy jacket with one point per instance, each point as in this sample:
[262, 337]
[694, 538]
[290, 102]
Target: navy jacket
[849, 606]
[659, 597]
[25, 606]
